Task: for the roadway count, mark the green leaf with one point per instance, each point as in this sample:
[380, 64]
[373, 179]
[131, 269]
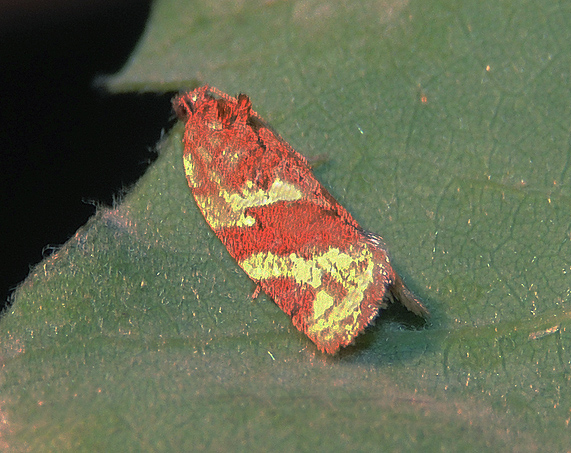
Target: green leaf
[446, 128]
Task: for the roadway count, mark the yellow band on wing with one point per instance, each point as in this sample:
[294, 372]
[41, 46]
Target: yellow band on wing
[353, 269]
[227, 209]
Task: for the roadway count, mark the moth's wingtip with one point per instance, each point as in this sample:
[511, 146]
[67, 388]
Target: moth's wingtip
[402, 294]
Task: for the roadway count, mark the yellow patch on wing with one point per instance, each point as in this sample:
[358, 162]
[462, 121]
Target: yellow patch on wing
[215, 125]
[232, 157]
[352, 269]
[227, 208]
[251, 196]
[202, 155]
[190, 170]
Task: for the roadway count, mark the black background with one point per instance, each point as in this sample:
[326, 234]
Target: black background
[66, 144]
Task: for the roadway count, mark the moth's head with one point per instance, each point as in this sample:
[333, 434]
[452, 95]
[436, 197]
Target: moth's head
[186, 104]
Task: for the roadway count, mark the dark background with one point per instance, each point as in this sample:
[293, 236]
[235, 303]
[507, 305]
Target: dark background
[66, 144]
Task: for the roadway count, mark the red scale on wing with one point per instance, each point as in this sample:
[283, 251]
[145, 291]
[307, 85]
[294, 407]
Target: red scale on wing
[289, 227]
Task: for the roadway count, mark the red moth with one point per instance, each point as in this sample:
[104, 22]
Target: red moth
[282, 227]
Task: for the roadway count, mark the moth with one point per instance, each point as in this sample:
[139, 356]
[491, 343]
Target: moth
[283, 228]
